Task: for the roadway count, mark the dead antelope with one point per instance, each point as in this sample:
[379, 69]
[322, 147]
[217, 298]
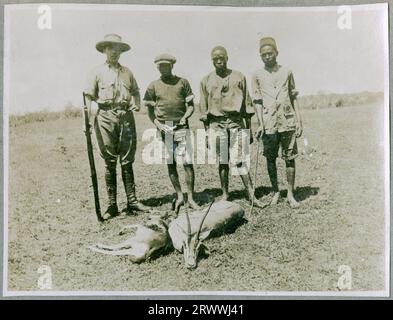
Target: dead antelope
[188, 231]
[147, 240]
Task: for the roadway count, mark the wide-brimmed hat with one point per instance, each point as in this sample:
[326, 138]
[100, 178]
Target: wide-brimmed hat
[165, 58]
[113, 40]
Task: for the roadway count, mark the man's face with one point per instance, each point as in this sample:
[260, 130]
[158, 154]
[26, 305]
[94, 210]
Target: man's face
[220, 59]
[268, 55]
[113, 53]
[165, 69]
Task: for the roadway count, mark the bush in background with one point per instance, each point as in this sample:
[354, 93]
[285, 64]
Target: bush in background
[320, 100]
[333, 100]
[69, 112]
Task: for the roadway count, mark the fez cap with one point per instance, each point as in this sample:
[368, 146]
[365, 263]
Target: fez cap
[268, 41]
[165, 58]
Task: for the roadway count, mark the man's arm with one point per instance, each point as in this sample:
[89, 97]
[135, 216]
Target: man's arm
[150, 113]
[258, 109]
[88, 105]
[203, 109]
[261, 128]
[293, 93]
[87, 99]
[189, 101]
[189, 112]
[258, 104]
[134, 91]
[149, 101]
[203, 105]
[91, 93]
[137, 101]
[247, 109]
[299, 120]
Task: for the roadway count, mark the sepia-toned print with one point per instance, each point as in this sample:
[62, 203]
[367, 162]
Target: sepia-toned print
[189, 150]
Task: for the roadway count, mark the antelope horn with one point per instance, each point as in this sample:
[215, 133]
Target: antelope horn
[203, 220]
[188, 226]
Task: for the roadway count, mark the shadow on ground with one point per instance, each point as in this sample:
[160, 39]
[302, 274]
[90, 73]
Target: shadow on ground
[208, 194]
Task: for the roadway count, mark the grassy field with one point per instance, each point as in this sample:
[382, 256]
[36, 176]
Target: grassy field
[341, 220]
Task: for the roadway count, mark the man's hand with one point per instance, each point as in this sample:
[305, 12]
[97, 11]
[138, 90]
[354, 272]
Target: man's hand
[162, 127]
[91, 120]
[299, 130]
[182, 122]
[207, 141]
[260, 132]
[90, 128]
[251, 137]
[134, 107]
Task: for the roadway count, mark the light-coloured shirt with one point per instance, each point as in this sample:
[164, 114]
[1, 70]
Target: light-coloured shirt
[275, 89]
[169, 98]
[223, 96]
[108, 84]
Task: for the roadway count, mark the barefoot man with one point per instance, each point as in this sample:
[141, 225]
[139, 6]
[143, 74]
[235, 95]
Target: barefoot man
[226, 109]
[113, 87]
[278, 114]
[170, 103]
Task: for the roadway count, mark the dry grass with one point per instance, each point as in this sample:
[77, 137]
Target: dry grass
[341, 221]
[334, 100]
[69, 112]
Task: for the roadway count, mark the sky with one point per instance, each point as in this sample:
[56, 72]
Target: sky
[47, 69]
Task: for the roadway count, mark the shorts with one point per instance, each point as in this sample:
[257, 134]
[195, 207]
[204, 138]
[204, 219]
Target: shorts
[178, 147]
[229, 139]
[286, 140]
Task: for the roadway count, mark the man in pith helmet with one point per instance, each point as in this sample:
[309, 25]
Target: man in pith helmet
[115, 90]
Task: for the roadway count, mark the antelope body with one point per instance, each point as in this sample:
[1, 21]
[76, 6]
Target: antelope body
[185, 233]
[147, 240]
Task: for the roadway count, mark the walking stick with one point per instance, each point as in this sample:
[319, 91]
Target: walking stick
[91, 160]
[255, 178]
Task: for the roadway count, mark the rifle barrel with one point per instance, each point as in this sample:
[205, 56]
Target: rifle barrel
[90, 154]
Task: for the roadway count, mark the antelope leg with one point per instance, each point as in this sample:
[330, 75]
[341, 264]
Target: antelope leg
[119, 246]
[121, 252]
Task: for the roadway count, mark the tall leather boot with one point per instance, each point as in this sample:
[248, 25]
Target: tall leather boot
[133, 204]
[111, 188]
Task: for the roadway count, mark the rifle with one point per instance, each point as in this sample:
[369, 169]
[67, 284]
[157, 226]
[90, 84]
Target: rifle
[91, 160]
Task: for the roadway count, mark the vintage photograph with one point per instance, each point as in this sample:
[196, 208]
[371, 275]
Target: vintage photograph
[196, 150]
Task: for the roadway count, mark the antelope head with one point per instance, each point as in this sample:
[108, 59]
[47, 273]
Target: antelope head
[193, 244]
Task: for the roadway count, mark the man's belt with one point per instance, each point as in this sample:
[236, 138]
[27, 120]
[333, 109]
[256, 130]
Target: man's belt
[114, 106]
[234, 116]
